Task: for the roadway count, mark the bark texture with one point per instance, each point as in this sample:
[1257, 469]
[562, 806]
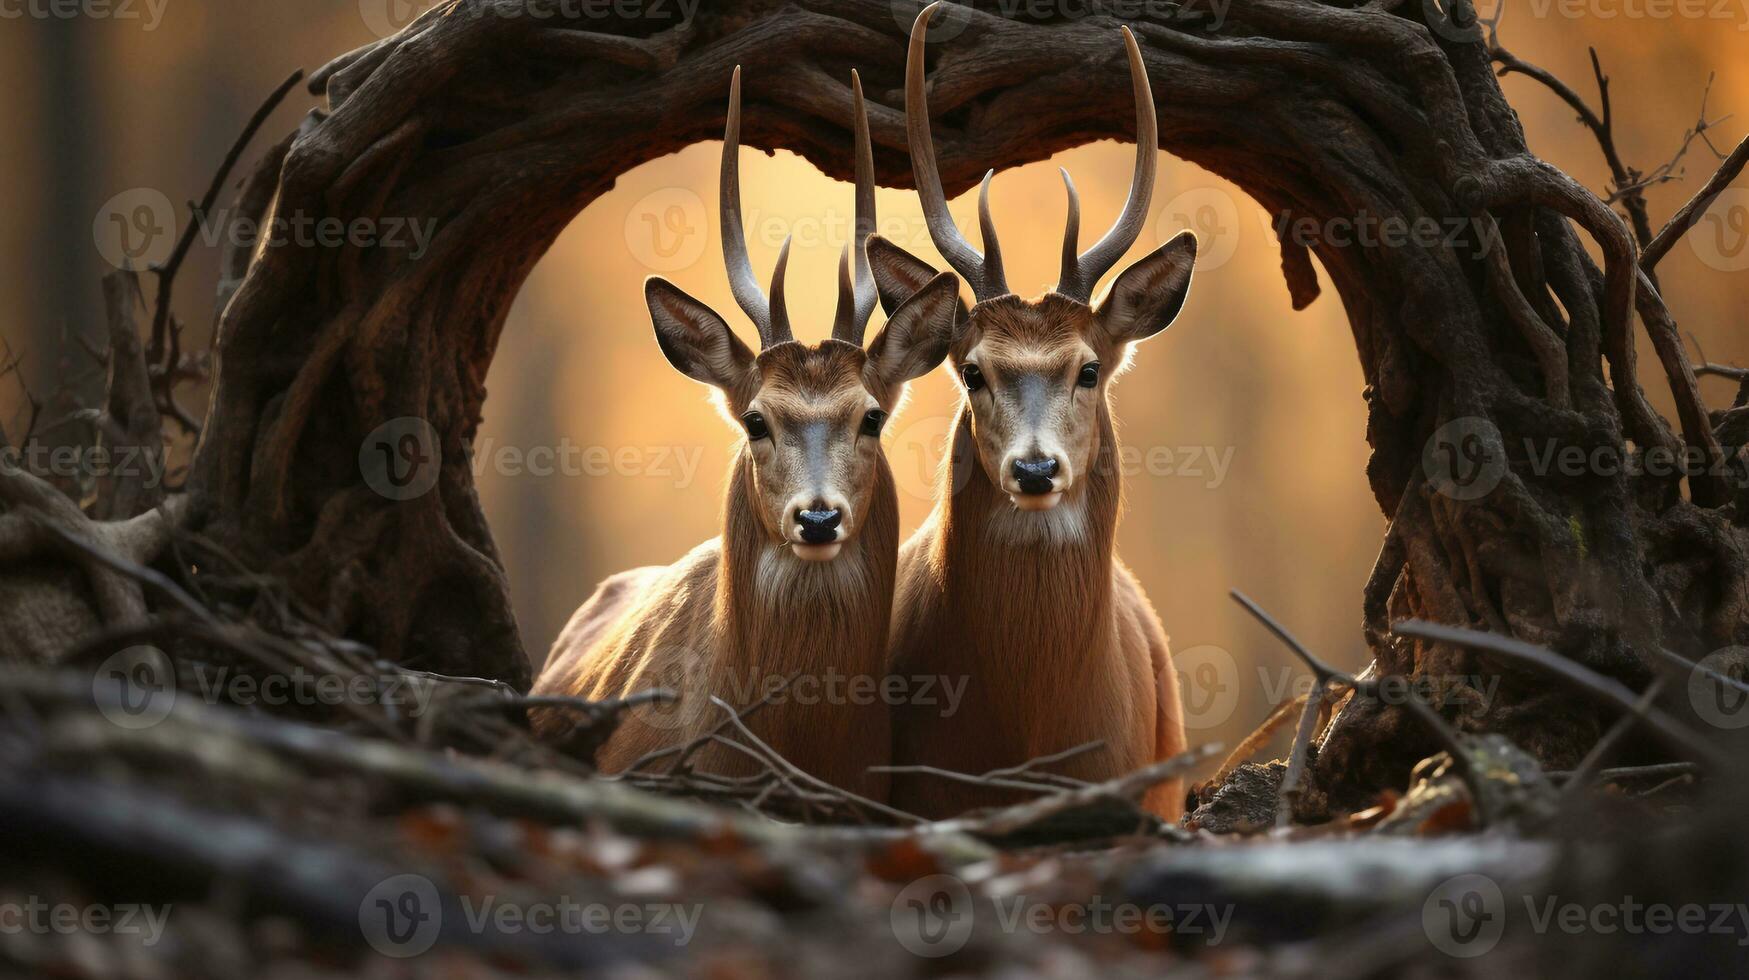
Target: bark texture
[500, 126]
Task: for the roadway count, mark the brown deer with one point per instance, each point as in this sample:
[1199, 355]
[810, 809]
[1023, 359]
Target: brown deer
[800, 584]
[1013, 581]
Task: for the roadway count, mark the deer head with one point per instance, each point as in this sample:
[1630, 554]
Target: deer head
[1035, 372]
[811, 416]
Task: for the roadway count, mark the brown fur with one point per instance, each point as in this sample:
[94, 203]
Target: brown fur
[740, 612]
[745, 617]
[1057, 640]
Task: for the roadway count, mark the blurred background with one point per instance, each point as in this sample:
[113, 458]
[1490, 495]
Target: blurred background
[1245, 421]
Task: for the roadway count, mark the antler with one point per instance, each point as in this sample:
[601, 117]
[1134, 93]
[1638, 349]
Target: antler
[856, 299]
[1080, 273]
[770, 316]
[984, 272]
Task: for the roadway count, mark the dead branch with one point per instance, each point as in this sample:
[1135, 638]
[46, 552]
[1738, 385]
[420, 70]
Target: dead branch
[1689, 214]
[1126, 788]
[1589, 682]
[163, 354]
[1326, 676]
[1024, 777]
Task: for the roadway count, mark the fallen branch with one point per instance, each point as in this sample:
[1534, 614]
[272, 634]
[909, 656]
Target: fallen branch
[1584, 679]
[1023, 777]
[1127, 788]
[1327, 675]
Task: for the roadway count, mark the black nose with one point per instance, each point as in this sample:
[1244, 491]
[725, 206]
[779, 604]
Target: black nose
[819, 526]
[1034, 475]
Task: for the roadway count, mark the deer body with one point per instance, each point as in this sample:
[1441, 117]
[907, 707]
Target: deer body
[784, 616]
[1014, 583]
[982, 594]
[737, 617]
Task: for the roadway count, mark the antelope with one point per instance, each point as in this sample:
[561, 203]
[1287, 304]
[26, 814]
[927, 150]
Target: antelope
[1013, 580]
[800, 582]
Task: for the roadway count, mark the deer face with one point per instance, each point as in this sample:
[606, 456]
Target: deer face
[1032, 375]
[812, 416]
[1035, 372]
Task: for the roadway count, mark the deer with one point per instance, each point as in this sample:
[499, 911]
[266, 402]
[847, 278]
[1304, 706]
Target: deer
[800, 581]
[1013, 580]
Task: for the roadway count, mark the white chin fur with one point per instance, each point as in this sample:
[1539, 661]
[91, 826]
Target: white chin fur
[817, 552]
[1036, 501]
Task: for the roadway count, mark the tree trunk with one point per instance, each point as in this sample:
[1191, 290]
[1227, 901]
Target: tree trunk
[352, 379]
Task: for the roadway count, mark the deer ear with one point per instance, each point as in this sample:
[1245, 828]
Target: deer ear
[898, 274]
[916, 336]
[1147, 296]
[694, 339]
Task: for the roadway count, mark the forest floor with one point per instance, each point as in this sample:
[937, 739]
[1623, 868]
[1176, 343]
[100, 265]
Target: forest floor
[151, 831]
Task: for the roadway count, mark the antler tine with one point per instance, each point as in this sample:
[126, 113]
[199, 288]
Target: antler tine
[773, 329]
[983, 272]
[1080, 273]
[780, 331]
[845, 326]
[857, 297]
[1071, 223]
[994, 277]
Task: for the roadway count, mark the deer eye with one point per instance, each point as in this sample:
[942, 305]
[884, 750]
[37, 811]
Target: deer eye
[973, 377]
[1089, 376]
[756, 427]
[873, 422]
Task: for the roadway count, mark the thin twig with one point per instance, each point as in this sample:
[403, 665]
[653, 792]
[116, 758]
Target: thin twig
[13, 367]
[1007, 777]
[798, 773]
[1686, 665]
[167, 362]
[1328, 675]
[1127, 787]
[685, 751]
[1589, 681]
[1581, 775]
[145, 576]
[1690, 214]
[653, 696]
[1255, 741]
[1622, 774]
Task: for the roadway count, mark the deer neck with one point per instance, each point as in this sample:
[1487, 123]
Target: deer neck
[777, 614]
[1033, 582]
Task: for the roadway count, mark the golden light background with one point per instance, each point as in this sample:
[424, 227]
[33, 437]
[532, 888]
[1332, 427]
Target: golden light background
[96, 107]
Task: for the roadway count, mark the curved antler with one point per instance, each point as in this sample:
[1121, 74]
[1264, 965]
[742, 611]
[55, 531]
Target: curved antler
[1081, 272]
[770, 316]
[856, 298]
[984, 272]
